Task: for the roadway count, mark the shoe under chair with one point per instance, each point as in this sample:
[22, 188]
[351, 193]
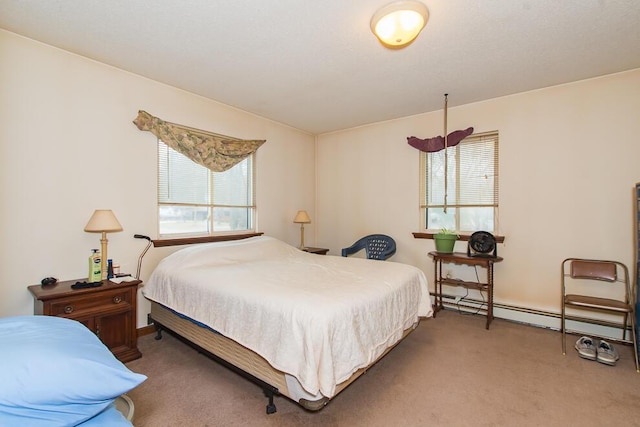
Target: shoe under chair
[604, 352]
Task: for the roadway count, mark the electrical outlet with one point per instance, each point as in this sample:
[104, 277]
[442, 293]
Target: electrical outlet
[447, 274]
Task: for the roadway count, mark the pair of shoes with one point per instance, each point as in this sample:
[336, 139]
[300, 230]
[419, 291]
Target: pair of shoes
[607, 354]
[586, 348]
[604, 353]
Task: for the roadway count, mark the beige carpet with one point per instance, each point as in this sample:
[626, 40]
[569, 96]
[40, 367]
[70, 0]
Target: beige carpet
[449, 372]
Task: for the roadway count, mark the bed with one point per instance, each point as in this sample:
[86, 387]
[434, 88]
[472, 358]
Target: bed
[301, 325]
[56, 372]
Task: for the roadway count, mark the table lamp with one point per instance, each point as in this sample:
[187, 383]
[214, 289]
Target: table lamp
[302, 218]
[103, 221]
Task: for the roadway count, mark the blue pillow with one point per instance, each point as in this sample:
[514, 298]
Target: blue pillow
[56, 372]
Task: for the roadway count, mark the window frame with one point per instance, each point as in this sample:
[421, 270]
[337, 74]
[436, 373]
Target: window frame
[424, 205]
[211, 205]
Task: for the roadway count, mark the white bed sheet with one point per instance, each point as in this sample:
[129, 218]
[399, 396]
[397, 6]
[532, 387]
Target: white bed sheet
[317, 318]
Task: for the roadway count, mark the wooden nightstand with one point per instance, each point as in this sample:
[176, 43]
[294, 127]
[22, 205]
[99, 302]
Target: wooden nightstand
[109, 311]
[318, 251]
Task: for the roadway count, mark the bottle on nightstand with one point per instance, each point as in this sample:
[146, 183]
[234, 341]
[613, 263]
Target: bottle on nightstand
[95, 266]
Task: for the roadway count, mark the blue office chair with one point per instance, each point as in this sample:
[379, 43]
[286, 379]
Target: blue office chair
[377, 246]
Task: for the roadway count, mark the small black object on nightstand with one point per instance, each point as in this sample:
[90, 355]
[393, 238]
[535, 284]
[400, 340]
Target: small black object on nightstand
[48, 281]
[85, 285]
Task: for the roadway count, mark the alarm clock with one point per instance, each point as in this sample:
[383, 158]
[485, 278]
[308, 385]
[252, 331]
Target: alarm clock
[482, 244]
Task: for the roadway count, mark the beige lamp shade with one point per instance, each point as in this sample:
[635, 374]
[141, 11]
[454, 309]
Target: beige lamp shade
[397, 24]
[103, 220]
[302, 217]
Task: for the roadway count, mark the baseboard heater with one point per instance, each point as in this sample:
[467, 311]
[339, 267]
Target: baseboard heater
[529, 316]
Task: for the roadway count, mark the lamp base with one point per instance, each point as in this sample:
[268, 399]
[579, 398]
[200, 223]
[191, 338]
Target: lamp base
[301, 247]
[103, 255]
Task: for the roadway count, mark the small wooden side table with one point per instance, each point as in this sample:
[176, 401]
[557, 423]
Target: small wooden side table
[109, 311]
[318, 251]
[463, 259]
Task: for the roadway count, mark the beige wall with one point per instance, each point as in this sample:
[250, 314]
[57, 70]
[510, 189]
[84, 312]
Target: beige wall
[568, 162]
[68, 146]
[569, 158]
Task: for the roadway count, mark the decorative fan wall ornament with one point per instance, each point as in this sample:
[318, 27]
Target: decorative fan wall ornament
[482, 244]
[431, 145]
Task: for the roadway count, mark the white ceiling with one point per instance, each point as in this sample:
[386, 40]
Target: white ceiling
[316, 66]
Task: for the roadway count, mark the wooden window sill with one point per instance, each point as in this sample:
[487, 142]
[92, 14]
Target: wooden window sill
[205, 239]
[463, 237]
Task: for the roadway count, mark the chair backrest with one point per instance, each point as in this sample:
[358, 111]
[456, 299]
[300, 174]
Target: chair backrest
[596, 270]
[376, 246]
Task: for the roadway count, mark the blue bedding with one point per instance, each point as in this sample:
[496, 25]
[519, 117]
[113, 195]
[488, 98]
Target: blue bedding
[55, 372]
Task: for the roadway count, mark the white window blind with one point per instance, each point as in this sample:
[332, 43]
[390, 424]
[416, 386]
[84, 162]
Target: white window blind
[472, 185]
[192, 200]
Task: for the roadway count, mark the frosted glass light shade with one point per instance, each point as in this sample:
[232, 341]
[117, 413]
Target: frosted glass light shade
[398, 24]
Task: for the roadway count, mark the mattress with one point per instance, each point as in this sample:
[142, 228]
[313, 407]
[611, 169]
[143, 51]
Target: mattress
[317, 319]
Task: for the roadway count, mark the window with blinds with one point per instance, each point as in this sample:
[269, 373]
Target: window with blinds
[471, 187]
[194, 201]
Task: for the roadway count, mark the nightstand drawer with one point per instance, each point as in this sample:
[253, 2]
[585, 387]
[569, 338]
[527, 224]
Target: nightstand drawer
[110, 300]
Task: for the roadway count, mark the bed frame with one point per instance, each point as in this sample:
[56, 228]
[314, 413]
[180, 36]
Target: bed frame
[235, 356]
[241, 359]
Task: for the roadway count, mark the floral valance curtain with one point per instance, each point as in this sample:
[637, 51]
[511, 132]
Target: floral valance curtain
[215, 152]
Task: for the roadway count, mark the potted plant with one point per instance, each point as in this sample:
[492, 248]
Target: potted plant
[445, 240]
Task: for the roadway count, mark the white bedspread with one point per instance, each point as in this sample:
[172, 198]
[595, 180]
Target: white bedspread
[318, 318]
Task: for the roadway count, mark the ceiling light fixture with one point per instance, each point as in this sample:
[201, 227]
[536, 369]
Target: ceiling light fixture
[397, 24]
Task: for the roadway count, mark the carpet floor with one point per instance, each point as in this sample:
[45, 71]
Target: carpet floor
[450, 371]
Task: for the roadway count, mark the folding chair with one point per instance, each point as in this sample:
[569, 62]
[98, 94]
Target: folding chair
[594, 286]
